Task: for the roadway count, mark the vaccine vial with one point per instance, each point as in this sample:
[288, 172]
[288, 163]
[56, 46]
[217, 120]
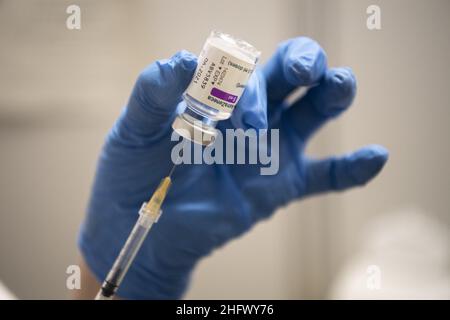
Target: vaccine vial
[224, 66]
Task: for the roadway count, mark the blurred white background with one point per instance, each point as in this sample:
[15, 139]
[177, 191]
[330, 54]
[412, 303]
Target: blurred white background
[61, 90]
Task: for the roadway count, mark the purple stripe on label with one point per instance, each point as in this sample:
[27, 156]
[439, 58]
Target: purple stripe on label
[223, 95]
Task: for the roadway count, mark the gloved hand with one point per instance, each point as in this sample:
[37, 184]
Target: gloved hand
[210, 204]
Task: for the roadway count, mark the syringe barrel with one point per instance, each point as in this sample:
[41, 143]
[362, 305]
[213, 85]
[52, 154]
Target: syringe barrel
[127, 254]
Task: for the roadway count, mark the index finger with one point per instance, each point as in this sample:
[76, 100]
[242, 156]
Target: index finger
[297, 62]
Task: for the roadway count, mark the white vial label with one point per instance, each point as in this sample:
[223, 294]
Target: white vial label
[221, 76]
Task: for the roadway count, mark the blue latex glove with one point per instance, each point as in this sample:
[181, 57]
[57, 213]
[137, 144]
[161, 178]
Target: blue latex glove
[209, 205]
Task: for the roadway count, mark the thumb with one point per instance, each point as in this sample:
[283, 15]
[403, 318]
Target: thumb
[155, 96]
[336, 174]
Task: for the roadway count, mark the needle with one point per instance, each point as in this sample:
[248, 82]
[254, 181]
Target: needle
[176, 163]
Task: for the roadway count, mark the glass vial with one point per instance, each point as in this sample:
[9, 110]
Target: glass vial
[224, 66]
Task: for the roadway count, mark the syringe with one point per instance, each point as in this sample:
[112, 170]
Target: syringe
[148, 214]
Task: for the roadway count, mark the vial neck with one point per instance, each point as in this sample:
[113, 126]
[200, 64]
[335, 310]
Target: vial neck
[193, 116]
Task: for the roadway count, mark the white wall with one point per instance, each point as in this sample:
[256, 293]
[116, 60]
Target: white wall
[403, 102]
